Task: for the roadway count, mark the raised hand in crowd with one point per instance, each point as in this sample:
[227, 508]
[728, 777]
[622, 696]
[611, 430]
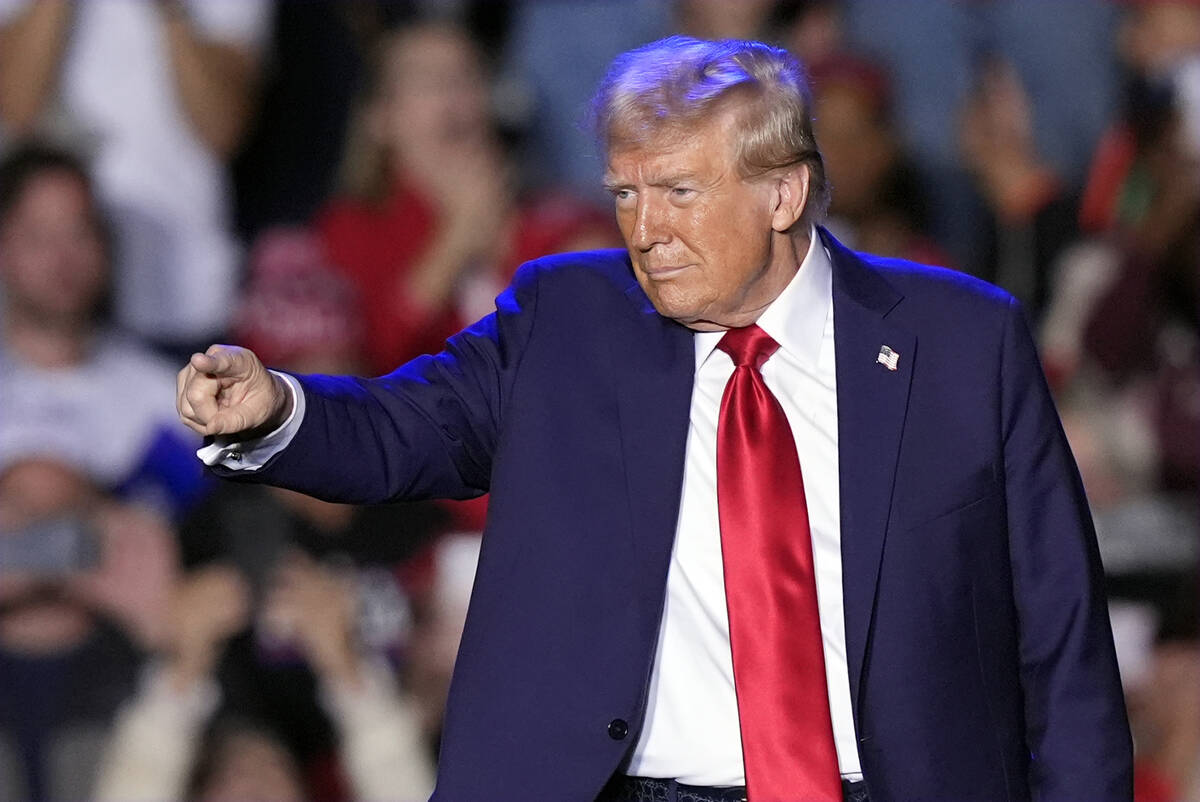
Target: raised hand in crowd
[997, 143]
[471, 188]
[313, 608]
[207, 608]
[137, 569]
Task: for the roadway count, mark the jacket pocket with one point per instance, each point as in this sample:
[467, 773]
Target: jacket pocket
[959, 493]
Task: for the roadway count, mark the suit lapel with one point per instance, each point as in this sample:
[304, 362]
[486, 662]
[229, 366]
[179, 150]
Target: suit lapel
[654, 362]
[872, 402]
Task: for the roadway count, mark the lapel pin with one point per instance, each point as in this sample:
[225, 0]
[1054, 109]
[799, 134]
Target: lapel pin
[887, 357]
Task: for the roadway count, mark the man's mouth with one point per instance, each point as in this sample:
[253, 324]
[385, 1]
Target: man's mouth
[664, 272]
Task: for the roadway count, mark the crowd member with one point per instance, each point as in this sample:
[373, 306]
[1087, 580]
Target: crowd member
[1164, 712]
[433, 229]
[65, 374]
[714, 19]
[936, 52]
[160, 750]
[1121, 340]
[587, 34]
[320, 53]
[994, 203]
[1144, 325]
[879, 205]
[814, 30]
[84, 581]
[158, 94]
[1028, 210]
[552, 101]
[1123, 331]
[287, 167]
[304, 316]
[641, 419]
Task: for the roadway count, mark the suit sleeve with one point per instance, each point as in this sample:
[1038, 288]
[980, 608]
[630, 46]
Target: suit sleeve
[1076, 727]
[426, 430]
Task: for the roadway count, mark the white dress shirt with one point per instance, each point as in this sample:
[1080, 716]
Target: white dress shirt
[691, 728]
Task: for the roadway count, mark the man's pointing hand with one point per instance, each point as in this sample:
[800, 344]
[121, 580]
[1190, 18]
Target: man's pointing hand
[228, 391]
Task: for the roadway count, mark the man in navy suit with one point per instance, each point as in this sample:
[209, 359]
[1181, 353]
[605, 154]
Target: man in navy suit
[960, 643]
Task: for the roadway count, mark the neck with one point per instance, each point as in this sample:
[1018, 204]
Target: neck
[46, 342]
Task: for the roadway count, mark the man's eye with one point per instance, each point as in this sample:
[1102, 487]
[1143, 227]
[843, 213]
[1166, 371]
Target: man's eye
[682, 192]
[622, 194]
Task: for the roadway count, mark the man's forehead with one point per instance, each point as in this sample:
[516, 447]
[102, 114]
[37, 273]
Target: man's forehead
[672, 151]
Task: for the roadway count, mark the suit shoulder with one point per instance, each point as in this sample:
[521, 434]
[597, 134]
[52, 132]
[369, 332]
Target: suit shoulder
[571, 287]
[937, 284]
[609, 266]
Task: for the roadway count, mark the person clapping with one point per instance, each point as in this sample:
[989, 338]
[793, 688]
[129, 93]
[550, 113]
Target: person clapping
[170, 745]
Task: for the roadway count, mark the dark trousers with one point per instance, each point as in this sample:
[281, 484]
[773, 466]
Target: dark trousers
[648, 789]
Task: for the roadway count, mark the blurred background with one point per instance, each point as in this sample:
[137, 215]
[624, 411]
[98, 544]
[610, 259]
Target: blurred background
[341, 185]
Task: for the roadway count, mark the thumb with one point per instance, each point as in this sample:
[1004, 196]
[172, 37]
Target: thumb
[220, 360]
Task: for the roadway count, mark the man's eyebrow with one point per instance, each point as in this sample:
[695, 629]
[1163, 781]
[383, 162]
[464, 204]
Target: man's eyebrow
[675, 178]
[611, 182]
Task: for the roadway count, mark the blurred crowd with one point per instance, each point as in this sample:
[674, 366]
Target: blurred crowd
[341, 185]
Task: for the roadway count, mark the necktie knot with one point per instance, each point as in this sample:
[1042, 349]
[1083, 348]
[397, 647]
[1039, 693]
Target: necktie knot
[749, 346]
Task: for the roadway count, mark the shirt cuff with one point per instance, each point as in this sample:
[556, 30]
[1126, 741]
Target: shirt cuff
[250, 455]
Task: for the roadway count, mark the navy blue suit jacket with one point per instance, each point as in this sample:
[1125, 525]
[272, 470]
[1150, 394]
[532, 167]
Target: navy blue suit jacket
[980, 656]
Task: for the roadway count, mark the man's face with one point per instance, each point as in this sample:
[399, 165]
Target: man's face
[434, 92]
[51, 255]
[699, 235]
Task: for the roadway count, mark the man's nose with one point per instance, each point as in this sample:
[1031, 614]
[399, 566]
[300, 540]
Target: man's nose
[650, 226]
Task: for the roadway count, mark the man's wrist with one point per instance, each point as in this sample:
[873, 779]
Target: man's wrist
[284, 402]
[281, 410]
[187, 665]
[251, 449]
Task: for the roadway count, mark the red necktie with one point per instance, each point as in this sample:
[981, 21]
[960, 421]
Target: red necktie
[771, 589]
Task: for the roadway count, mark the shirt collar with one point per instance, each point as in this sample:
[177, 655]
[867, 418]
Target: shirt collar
[796, 319]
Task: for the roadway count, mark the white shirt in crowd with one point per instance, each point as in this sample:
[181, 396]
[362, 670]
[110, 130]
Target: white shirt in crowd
[121, 389]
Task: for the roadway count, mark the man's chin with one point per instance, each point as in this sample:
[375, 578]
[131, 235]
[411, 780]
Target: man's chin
[703, 325]
[686, 316]
[670, 308]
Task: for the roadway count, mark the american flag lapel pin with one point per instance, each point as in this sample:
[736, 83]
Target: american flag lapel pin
[887, 357]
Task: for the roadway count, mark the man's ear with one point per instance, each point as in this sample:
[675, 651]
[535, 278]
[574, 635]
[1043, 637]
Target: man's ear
[791, 196]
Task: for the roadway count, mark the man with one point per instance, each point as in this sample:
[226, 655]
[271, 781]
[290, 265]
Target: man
[647, 601]
[160, 94]
[66, 374]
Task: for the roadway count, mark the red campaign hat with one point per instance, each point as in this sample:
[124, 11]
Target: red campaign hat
[295, 303]
[842, 69]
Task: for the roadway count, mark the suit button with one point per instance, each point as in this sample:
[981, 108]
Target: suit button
[618, 729]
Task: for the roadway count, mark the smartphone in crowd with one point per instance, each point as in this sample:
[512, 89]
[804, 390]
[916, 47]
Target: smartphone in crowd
[58, 546]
